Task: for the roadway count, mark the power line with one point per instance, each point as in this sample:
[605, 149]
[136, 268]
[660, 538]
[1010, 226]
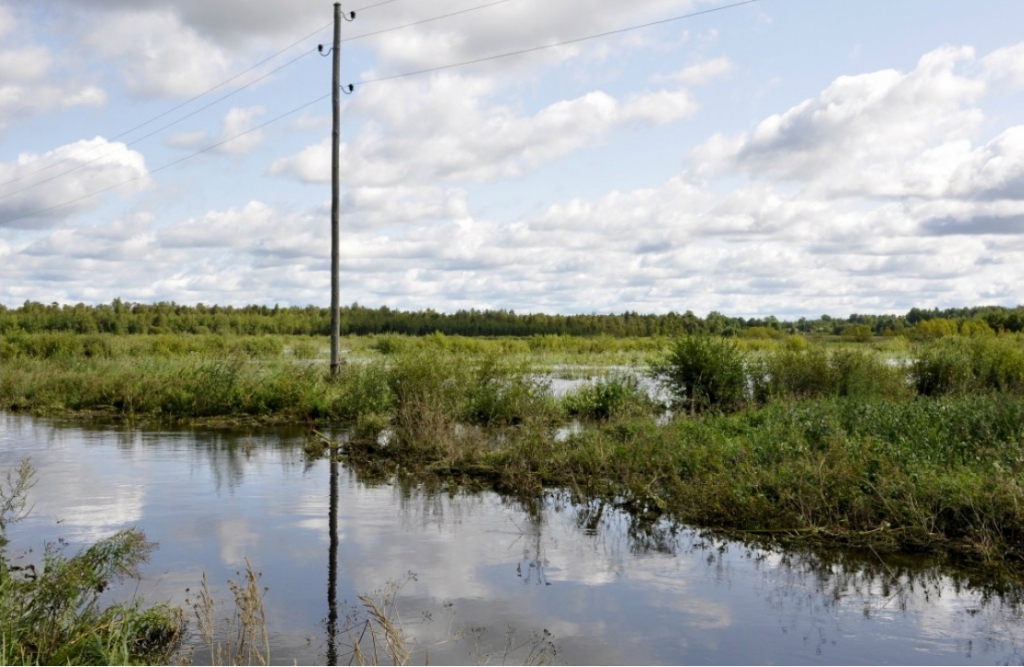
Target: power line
[169, 164]
[551, 46]
[178, 106]
[386, 2]
[435, 18]
[222, 98]
[156, 131]
[188, 101]
[379, 79]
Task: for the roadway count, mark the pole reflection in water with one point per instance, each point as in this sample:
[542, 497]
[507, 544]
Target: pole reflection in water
[332, 568]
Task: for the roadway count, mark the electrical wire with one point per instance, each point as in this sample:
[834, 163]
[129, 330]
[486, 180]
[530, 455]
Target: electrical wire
[435, 18]
[550, 46]
[384, 78]
[195, 97]
[386, 2]
[169, 164]
[220, 99]
[178, 106]
[156, 131]
[191, 99]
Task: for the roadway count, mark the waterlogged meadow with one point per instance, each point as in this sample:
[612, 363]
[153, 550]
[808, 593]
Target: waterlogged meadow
[892, 446]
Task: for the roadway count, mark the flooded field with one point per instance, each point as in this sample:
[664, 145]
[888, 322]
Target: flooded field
[606, 589]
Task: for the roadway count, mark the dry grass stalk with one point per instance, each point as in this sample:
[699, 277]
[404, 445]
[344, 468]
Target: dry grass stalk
[238, 639]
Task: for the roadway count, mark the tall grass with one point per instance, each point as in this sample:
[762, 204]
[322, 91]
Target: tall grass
[965, 365]
[52, 614]
[240, 637]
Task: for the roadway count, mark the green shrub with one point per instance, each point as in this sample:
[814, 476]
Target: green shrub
[390, 344]
[610, 397]
[360, 389]
[704, 373]
[814, 373]
[260, 347]
[964, 365]
[793, 375]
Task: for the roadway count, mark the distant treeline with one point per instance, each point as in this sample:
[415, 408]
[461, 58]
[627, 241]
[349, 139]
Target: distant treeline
[120, 317]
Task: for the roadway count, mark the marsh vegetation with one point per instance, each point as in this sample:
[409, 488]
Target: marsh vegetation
[899, 445]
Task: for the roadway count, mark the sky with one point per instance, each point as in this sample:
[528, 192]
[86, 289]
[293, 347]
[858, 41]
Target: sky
[780, 157]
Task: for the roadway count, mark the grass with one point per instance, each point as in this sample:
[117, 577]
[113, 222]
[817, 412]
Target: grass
[778, 435]
[239, 638]
[919, 474]
[52, 614]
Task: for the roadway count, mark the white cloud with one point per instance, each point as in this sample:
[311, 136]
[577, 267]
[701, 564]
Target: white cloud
[235, 227]
[507, 27]
[700, 73]
[29, 84]
[449, 133]
[993, 171]
[7, 21]
[69, 174]
[861, 130]
[236, 121]
[158, 54]
[1006, 63]
[29, 63]
[18, 101]
[230, 22]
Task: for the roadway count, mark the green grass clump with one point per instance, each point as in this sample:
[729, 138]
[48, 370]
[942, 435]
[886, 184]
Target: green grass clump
[610, 397]
[52, 614]
[816, 372]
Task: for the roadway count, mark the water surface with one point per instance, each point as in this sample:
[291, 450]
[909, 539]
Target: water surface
[608, 590]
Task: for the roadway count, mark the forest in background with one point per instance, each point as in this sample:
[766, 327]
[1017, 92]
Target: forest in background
[119, 317]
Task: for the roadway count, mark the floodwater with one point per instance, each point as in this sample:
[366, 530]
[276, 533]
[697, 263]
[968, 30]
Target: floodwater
[607, 590]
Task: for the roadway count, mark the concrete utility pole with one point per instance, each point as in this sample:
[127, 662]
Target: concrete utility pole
[335, 185]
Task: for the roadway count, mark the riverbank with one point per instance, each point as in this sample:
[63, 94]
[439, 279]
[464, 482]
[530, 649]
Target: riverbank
[789, 440]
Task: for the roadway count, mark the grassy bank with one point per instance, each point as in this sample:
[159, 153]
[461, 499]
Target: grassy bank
[905, 446]
[942, 474]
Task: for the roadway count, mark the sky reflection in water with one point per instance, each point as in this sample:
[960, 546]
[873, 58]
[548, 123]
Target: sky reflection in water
[608, 590]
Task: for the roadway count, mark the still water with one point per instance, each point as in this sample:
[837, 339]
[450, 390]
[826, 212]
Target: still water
[607, 590]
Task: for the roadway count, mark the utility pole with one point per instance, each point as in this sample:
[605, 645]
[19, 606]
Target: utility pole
[335, 196]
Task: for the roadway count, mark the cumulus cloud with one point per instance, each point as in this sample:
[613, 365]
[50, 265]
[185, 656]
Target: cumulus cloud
[992, 171]
[507, 27]
[69, 174]
[231, 22]
[30, 85]
[1006, 63]
[857, 121]
[158, 54]
[451, 134]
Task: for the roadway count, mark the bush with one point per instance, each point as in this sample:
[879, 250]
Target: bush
[704, 373]
[960, 366]
[305, 349]
[608, 398]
